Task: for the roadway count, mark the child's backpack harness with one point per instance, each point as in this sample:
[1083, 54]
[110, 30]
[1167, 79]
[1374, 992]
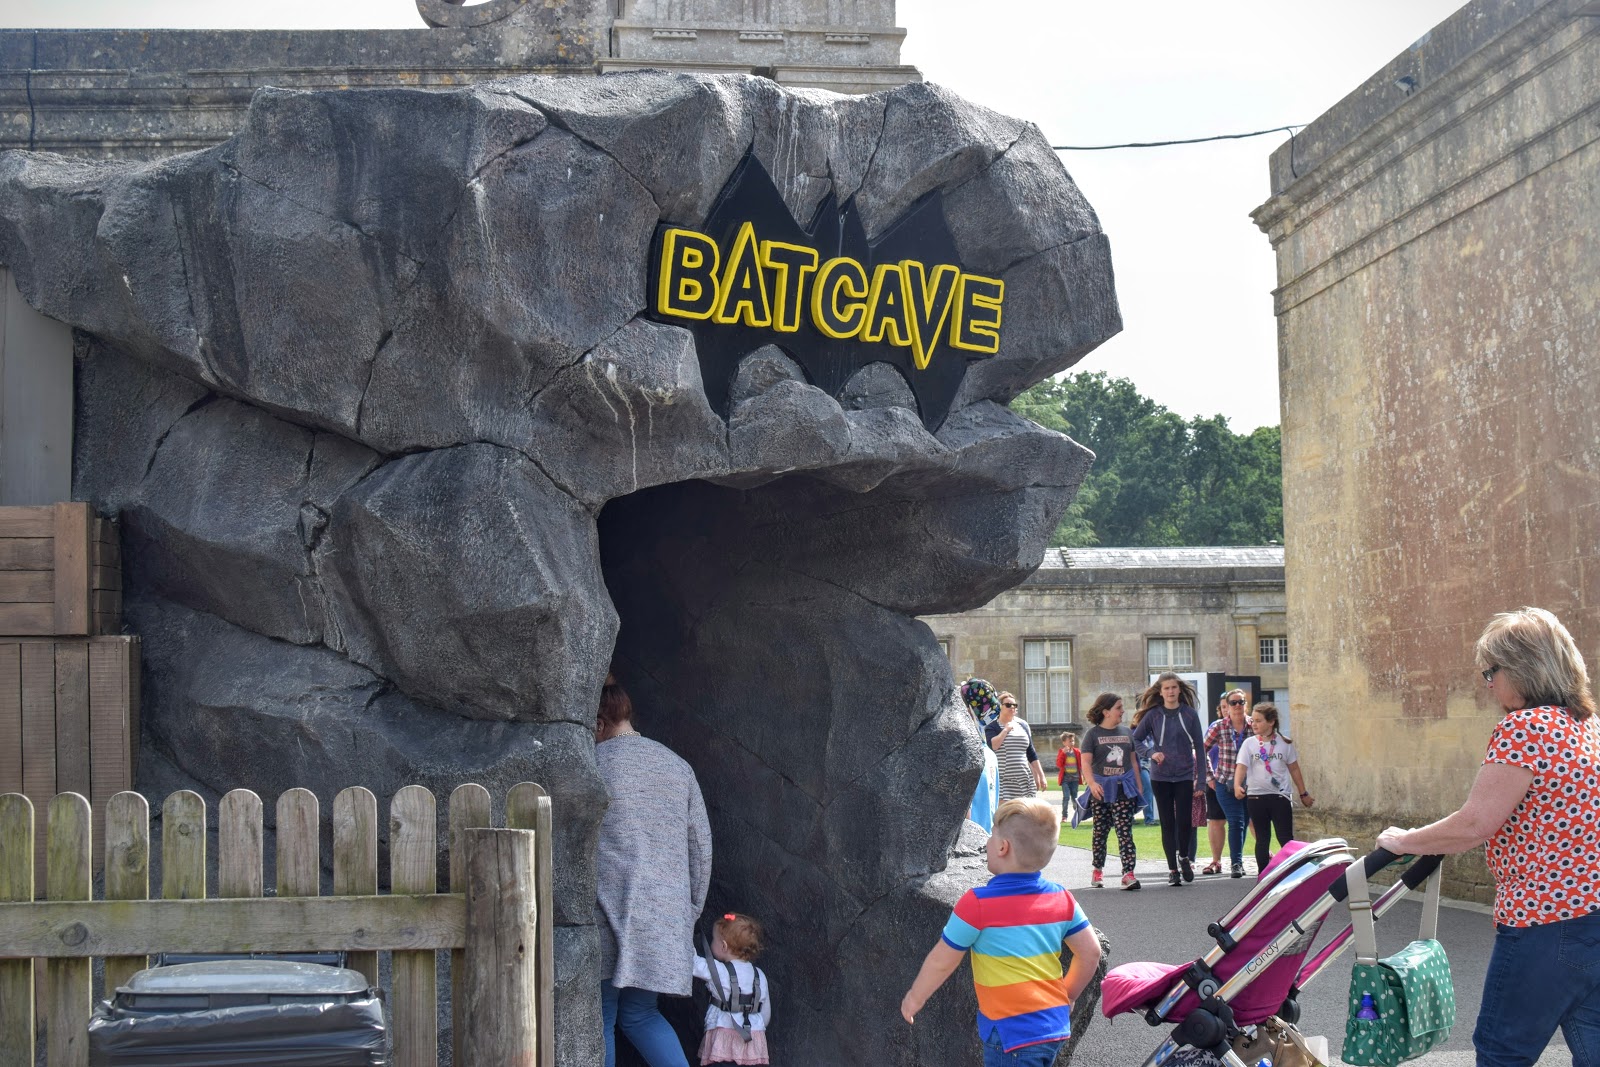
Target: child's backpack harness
[728, 998]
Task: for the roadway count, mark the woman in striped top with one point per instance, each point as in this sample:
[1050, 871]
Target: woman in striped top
[1020, 772]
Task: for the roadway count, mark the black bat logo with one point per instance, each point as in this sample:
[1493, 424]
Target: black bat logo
[833, 301]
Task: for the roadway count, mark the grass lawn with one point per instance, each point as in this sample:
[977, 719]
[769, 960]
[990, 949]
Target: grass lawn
[1147, 839]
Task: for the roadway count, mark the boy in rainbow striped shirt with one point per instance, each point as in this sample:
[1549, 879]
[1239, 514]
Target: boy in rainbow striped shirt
[1014, 927]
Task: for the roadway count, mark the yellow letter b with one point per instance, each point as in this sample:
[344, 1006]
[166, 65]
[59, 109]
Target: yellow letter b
[688, 283]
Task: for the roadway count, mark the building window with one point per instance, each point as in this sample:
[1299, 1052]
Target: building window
[1047, 680]
[1171, 653]
[944, 646]
[1274, 650]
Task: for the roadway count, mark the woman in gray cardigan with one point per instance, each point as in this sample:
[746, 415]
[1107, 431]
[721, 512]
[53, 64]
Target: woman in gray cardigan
[654, 866]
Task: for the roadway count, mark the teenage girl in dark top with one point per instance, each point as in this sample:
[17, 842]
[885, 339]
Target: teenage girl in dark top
[1177, 772]
[1112, 775]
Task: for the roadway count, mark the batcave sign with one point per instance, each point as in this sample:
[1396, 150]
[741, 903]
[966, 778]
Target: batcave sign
[833, 300]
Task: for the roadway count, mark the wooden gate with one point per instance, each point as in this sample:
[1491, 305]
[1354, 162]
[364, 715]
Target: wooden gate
[496, 923]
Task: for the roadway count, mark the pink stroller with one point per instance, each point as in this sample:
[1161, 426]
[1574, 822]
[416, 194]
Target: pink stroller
[1255, 970]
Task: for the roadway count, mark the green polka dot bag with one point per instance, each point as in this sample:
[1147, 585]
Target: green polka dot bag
[1412, 995]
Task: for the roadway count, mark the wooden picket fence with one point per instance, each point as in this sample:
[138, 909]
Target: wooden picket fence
[496, 923]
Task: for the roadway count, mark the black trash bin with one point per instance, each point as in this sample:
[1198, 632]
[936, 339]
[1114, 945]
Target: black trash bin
[241, 1013]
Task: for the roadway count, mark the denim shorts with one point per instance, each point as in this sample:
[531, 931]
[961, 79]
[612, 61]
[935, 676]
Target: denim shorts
[1041, 1055]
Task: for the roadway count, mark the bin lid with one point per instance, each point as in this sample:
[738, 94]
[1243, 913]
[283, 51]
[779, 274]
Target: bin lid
[271, 977]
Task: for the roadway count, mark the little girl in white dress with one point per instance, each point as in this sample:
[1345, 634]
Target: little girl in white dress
[741, 1002]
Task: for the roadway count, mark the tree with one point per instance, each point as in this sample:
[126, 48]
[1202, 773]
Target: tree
[1156, 479]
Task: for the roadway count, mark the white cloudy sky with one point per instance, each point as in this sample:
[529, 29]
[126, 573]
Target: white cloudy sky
[1194, 274]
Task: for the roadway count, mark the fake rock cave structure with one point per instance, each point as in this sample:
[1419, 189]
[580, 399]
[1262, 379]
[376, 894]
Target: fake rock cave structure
[404, 462]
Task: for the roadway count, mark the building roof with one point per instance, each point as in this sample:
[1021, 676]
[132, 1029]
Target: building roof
[1196, 566]
[1187, 557]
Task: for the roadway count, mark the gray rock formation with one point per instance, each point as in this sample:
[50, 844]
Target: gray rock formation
[403, 469]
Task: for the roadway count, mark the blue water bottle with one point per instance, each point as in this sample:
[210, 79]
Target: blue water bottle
[1368, 1011]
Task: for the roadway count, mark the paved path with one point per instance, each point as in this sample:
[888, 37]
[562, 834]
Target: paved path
[1168, 925]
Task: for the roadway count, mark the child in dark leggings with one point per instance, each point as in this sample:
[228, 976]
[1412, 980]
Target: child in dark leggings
[1267, 763]
[1111, 771]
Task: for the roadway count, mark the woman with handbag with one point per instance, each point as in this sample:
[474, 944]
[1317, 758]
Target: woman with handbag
[1536, 804]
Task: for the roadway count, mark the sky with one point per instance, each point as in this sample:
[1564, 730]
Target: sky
[1194, 274]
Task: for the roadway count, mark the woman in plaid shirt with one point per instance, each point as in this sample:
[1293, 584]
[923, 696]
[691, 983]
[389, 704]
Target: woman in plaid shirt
[1226, 735]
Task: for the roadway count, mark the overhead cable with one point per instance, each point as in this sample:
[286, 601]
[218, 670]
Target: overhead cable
[1164, 144]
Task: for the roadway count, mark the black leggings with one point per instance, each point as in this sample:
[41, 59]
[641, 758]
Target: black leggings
[1271, 809]
[1174, 807]
[1105, 817]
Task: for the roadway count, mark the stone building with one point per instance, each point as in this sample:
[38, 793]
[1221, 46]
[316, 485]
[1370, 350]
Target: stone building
[1093, 620]
[1438, 302]
[146, 94]
[850, 46]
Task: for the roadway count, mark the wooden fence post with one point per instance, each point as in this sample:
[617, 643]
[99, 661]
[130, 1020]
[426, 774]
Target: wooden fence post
[355, 859]
[183, 846]
[299, 844]
[414, 868]
[500, 1016]
[469, 807]
[68, 981]
[16, 976]
[239, 837]
[127, 823]
[528, 808]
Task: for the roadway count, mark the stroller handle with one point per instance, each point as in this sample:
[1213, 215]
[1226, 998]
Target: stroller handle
[1379, 858]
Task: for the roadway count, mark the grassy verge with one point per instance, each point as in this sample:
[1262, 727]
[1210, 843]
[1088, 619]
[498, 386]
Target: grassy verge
[1147, 839]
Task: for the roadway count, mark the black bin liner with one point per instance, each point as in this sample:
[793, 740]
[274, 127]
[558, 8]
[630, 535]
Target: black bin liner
[241, 1013]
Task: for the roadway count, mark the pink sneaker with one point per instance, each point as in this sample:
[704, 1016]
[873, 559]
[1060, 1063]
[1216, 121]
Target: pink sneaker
[1095, 881]
[1129, 881]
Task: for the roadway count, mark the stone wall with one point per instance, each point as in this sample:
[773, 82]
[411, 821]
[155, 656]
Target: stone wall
[850, 46]
[1438, 303]
[145, 94]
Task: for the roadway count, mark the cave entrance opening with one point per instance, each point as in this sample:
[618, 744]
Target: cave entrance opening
[835, 761]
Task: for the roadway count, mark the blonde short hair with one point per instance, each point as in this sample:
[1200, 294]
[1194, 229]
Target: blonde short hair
[1033, 828]
[1540, 658]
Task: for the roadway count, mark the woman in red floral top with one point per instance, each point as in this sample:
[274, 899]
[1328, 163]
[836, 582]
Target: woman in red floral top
[1536, 802]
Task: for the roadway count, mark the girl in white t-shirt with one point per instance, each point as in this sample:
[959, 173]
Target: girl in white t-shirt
[1267, 763]
[741, 1002]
